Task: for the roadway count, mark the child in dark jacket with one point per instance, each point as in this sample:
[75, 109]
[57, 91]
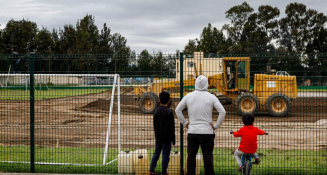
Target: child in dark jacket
[248, 144]
[164, 130]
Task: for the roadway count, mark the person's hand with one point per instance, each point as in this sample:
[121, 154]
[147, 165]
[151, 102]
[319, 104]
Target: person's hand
[213, 127]
[234, 131]
[188, 123]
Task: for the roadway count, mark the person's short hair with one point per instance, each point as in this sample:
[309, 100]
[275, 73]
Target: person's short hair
[248, 119]
[164, 97]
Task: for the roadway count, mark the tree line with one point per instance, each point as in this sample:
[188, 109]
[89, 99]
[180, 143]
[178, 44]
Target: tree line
[302, 32]
[83, 39]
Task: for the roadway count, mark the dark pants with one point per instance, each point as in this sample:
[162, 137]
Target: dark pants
[165, 147]
[207, 143]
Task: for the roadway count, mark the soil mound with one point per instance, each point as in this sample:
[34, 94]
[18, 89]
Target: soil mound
[100, 104]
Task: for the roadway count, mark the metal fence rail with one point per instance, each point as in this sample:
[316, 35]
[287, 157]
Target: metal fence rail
[69, 113]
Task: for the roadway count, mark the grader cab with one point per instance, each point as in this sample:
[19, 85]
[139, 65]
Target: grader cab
[269, 92]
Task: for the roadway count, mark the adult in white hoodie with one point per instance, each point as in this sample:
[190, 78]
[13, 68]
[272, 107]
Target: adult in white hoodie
[200, 104]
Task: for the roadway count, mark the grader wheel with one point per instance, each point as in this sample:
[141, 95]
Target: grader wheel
[247, 103]
[278, 105]
[149, 102]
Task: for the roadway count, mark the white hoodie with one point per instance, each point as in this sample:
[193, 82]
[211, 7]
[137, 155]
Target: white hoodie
[200, 104]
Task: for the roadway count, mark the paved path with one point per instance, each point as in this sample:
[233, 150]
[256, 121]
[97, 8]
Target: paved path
[312, 94]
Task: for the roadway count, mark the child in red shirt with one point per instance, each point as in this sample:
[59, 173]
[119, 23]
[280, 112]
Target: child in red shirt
[248, 135]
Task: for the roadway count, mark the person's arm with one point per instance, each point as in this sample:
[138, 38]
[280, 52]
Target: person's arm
[237, 133]
[172, 126]
[222, 113]
[179, 112]
[261, 132]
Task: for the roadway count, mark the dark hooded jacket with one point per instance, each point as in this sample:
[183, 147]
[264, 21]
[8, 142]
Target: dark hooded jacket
[164, 125]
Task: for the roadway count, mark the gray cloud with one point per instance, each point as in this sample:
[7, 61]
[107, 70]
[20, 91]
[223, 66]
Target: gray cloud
[147, 24]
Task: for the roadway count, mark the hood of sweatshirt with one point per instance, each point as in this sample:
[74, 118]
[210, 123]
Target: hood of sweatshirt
[201, 83]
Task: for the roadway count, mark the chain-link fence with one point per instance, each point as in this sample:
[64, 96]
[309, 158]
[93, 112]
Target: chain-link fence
[93, 113]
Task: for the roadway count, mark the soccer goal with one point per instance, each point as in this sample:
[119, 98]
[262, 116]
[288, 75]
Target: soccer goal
[23, 80]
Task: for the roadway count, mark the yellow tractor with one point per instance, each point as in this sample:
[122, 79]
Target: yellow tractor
[270, 92]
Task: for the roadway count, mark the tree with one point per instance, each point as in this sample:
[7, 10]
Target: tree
[211, 40]
[17, 34]
[4, 60]
[299, 27]
[105, 40]
[267, 27]
[238, 15]
[86, 35]
[191, 46]
[2, 43]
[86, 42]
[121, 57]
[144, 62]
[171, 63]
[317, 44]
[67, 40]
[43, 44]
[56, 41]
[267, 20]
[316, 61]
[159, 64]
[44, 41]
[316, 31]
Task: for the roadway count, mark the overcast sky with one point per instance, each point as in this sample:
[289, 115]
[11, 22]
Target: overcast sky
[164, 25]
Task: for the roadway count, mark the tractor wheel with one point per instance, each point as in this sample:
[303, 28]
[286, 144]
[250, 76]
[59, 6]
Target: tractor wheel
[149, 102]
[247, 103]
[278, 105]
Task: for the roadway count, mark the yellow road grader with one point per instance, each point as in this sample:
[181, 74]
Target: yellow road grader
[270, 92]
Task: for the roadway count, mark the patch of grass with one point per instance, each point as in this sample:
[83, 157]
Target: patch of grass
[6, 94]
[58, 155]
[272, 161]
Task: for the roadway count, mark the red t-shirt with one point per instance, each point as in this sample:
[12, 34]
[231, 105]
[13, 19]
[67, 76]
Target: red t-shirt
[248, 135]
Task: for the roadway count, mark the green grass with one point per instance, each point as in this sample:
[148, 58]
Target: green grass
[273, 161]
[57, 155]
[6, 94]
[17, 94]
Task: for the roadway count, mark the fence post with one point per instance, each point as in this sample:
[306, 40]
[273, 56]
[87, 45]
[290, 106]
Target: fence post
[32, 141]
[181, 126]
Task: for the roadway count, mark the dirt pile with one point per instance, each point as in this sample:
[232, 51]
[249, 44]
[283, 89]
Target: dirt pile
[100, 104]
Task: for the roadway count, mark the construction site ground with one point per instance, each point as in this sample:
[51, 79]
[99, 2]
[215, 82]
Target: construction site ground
[82, 121]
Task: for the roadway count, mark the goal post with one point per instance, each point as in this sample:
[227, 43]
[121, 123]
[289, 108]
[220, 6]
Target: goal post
[116, 81]
[23, 80]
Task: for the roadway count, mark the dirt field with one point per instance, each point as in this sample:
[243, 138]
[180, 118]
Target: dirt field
[82, 121]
